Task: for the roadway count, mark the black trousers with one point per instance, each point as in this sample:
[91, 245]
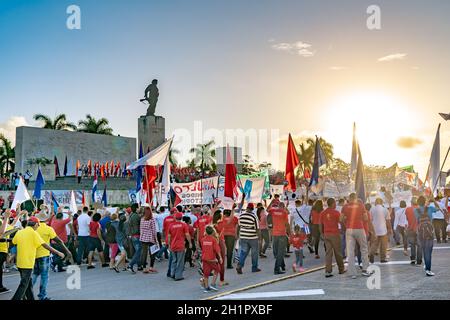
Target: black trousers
[315, 232]
[25, 289]
[2, 262]
[230, 241]
[279, 250]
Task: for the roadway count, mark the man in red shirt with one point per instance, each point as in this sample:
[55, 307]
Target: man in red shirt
[166, 224]
[353, 215]
[329, 227]
[280, 228]
[177, 235]
[211, 258]
[200, 225]
[411, 233]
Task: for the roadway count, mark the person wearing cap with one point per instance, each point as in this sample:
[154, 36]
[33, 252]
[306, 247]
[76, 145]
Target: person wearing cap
[177, 235]
[27, 242]
[166, 225]
[42, 262]
[281, 228]
[249, 234]
[133, 231]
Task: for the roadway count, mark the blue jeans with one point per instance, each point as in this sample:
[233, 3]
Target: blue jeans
[83, 244]
[343, 241]
[427, 249]
[41, 267]
[245, 246]
[299, 257]
[177, 265]
[279, 250]
[137, 251]
[169, 265]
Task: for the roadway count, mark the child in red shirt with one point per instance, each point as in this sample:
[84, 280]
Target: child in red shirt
[211, 258]
[296, 240]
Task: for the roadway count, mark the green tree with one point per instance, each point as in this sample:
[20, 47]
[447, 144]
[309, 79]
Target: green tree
[248, 167]
[92, 125]
[7, 155]
[59, 123]
[204, 156]
[172, 156]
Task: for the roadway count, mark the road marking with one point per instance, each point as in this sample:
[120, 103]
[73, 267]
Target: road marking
[434, 248]
[274, 294]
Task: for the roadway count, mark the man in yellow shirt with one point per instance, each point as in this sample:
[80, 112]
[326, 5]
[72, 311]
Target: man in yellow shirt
[28, 241]
[42, 262]
[4, 240]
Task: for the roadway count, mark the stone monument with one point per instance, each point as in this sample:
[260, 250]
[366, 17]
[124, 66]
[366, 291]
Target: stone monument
[151, 128]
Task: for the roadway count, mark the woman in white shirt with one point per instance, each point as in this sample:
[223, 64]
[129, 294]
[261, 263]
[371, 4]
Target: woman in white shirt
[400, 224]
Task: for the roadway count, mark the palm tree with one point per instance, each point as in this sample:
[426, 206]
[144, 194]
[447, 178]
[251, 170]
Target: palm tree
[306, 156]
[92, 125]
[59, 123]
[204, 155]
[7, 155]
[172, 157]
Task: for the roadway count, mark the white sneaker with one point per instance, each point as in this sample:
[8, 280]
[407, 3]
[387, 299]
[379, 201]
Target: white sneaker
[429, 273]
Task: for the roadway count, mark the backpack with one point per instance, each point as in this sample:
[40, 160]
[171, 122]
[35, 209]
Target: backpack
[425, 230]
[110, 233]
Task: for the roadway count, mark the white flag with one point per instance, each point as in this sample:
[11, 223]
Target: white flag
[73, 203]
[165, 179]
[153, 158]
[435, 162]
[21, 195]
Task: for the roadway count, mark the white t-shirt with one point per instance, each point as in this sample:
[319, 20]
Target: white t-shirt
[83, 225]
[305, 212]
[400, 218]
[438, 214]
[379, 217]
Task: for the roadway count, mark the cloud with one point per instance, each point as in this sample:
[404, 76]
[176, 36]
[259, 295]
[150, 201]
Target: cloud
[8, 128]
[408, 142]
[392, 57]
[337, 68]
[300, 48]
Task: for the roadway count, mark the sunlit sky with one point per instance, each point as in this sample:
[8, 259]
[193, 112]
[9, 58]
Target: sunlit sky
[305, 67]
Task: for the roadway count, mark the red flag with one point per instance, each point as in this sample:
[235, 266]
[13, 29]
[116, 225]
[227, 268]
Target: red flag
[291, 163]
[230, 176]
[89, 167]
[112, 168]
[83, 200]
[102, 173]
[150, 176]
[306, 174]
[77, 167]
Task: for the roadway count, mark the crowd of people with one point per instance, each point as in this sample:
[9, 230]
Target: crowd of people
[214, 239]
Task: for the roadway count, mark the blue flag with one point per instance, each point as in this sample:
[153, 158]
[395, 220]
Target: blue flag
[38, 185]
[139, 170]
[319, 160]
[248, 189]
[65, 167]
[94, 188]
[55, 203]
[104, 197]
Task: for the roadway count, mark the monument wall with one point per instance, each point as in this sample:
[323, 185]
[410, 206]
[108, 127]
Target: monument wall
[32, 143]
[151, 132]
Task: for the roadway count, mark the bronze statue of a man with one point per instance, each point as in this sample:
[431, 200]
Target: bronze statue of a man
[151, 96]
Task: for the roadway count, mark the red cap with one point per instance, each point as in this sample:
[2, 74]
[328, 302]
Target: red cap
[13, 214]
[34, 219]
[251, 206]
[178, 216]
[174, 210]
[128, 210]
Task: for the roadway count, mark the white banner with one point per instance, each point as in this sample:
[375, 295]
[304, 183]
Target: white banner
[253, 189]
[193, 192]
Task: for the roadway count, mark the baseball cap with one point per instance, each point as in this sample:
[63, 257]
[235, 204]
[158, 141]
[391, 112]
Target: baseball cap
[34, 219]
[250, 206]
[178, 216]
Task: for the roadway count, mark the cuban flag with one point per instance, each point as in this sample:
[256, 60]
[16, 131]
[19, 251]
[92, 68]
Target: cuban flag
[94, 188]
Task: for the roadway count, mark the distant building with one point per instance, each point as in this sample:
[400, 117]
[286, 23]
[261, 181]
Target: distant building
[221, 158]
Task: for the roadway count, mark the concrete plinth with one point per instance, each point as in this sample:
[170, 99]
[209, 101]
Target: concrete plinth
[151, 132]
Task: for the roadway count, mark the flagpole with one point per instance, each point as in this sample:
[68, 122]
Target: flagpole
[442, 167]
